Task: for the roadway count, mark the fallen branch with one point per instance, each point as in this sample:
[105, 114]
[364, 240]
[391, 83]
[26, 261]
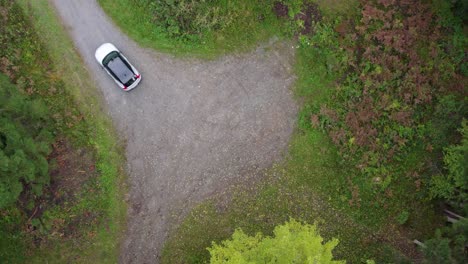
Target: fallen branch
[419, 243]
[452, 214]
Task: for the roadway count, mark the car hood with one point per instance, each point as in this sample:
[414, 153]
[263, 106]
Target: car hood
[103, 50]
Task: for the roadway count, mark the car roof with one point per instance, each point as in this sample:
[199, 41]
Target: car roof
[120, 69]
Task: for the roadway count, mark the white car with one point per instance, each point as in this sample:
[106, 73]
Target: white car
[117, 66]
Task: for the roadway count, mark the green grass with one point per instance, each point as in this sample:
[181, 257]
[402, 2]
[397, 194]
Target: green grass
[243, 34]
[333, 8]
[98, 242]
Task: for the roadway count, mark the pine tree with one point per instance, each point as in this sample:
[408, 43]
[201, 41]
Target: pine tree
[25, 140]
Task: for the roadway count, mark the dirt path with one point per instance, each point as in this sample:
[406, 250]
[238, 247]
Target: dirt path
[192, 127]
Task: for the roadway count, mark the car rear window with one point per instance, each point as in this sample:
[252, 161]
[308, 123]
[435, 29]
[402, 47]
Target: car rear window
[120, 69]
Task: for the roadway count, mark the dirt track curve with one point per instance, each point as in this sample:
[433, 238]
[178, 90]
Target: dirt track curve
[192, 127]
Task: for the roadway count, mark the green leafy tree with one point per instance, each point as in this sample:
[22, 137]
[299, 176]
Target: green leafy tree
[25, 140]
[292, 242]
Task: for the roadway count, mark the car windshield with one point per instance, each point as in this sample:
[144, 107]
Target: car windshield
[118, 67]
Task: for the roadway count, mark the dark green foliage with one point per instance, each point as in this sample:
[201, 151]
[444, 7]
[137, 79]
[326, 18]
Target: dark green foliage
[25, 139]
[453, 15]
[188, 19]
[460, 9]
[438, 251]
[446, 119]
[452, 185]
[449, 245]
[12, 240]
[193, 20]
[202, 28]
[24, 60]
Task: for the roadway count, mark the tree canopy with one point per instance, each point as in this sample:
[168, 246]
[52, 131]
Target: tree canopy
[25, 140]
[293, 242]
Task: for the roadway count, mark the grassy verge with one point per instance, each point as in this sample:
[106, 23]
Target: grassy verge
[234, 25]
[252, 24]
[86, 228]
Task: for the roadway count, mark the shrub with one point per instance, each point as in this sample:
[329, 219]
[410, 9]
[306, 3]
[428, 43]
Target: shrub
[293, 242]
[25, 140]
[448, 246]
[453, 184]
[188, 19]
[402, 218]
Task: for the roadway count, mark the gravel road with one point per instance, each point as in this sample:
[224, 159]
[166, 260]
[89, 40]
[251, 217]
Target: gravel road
[192, 127]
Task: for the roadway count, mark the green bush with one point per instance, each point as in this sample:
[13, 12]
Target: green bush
[188, 19]
[201, 28]
[402, 218]
[25, 140]
[453, 14]
[453, 184]
[441, 129]
[448, 246]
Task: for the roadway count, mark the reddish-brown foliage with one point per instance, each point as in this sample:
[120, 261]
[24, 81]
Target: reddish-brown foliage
[395, 54]
[308, 15]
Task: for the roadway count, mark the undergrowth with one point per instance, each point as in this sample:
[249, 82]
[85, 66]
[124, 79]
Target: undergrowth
[398, 99]
[195, 28]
